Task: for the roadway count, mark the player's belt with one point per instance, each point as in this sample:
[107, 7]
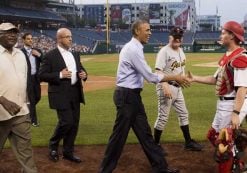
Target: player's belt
[226, 98]
[136, 90]
[173, 84]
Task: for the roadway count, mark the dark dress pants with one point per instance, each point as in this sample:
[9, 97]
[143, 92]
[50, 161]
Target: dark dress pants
[131, 114]
[68, 123]
[35, 96]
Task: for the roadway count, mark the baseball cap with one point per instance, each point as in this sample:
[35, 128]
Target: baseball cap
[177, 32]
[7, 27]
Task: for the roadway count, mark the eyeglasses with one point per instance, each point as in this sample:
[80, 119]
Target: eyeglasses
[68, 36]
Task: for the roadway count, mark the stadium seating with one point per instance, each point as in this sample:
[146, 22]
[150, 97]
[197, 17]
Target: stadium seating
[86, 39]
[31, 14]
[200, 35]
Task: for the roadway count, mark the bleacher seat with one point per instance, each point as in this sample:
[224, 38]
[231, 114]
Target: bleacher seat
[30, 13]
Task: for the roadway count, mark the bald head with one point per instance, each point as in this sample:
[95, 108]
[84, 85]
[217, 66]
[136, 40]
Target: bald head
[64, 38]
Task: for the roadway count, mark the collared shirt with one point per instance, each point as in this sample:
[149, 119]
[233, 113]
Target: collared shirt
[13, 76]
[70, 63]
[31, 59]
[133, 68]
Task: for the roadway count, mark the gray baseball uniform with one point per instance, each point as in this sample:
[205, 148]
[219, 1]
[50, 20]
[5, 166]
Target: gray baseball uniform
[170, 62]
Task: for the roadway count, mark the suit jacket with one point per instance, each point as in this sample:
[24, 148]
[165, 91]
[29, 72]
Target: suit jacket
[58, 89]
[30, 85]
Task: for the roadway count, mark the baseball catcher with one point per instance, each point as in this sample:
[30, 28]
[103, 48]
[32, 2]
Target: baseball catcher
[231, 89]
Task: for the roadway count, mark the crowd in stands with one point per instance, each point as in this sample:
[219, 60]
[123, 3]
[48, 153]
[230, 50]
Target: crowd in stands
[46, 43]
[80, 48]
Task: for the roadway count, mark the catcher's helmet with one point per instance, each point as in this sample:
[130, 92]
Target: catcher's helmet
[236, 29]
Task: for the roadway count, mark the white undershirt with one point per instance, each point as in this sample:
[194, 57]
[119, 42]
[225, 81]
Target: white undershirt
[70, 63]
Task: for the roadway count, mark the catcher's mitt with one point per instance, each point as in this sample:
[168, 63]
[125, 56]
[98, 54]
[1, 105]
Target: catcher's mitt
[224, 145]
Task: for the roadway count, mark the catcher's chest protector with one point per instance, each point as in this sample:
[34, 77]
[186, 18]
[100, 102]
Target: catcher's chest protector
[225, 76]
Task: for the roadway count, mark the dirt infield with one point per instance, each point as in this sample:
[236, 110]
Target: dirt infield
[132, 160]
[93, 83]
[209, 64]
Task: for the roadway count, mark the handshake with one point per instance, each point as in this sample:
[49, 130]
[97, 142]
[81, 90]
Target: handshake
[184, 80]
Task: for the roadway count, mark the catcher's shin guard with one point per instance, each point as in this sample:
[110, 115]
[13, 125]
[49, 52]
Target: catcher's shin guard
[240, 136]
[225, 167]
[212, 136]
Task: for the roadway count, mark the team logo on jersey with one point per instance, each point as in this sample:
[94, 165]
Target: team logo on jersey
[177, 64]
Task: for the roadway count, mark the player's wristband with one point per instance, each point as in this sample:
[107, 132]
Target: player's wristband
[236, 112]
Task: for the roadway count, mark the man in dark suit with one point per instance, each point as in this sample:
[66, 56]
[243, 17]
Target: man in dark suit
[34, 57]
[64, 72]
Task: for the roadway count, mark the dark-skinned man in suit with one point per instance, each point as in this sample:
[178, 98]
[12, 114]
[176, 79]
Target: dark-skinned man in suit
[64, 74]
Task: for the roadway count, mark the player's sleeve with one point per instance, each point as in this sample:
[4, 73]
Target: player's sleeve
[240, 62]
[240, 77]
[160, 60]
[142, 67]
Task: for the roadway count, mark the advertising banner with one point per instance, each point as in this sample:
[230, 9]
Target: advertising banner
[144, 12]
[121, 14]
[177, 14]
[94, 13]
[154, 13]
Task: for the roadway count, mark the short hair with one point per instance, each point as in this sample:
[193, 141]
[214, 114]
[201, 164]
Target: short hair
[25, 35]
[135, 25]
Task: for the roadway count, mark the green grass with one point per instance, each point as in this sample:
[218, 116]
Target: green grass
[98, 115]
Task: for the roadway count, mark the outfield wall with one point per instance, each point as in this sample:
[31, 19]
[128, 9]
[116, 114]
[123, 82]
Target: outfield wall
[154, 48]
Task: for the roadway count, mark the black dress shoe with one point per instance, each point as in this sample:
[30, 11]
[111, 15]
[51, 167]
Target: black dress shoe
[72, 158]
[53, 155]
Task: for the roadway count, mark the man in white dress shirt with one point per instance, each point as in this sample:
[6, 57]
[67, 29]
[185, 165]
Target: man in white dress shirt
[63, 71]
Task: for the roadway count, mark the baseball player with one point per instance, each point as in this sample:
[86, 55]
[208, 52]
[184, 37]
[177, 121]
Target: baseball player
[231, 88]
[171, 60]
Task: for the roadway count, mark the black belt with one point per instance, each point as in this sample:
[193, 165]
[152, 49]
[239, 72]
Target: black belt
[136, 90]
[173, 84]
[226, 98]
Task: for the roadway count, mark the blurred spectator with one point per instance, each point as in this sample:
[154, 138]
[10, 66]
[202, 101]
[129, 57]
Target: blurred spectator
[34, 58]
[46, 43]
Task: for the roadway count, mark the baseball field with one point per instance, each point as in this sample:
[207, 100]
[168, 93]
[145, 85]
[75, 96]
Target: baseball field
[98, 115]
